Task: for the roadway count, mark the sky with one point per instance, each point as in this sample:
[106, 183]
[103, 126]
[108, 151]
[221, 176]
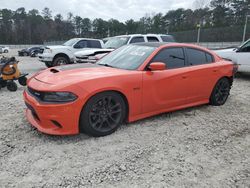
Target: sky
[121, 10]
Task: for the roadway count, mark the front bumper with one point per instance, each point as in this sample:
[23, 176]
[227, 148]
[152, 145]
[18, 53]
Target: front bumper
[54, 119]
[45, 57]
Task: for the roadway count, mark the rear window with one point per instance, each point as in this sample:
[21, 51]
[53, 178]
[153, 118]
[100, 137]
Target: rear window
[167, 38]
[137, 39]
[210, 58]
[196, 57]
[152, 39]
[94, 44]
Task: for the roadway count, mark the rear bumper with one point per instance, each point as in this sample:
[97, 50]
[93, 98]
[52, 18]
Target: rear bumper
[244, 68]
[56, 119]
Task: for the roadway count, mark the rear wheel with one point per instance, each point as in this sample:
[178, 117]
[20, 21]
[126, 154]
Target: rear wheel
[11, 86]
[25, 54]
[103, 114]
[221, 92]
[60, 61]
[6, 51]
[22, 81]
[3, 83]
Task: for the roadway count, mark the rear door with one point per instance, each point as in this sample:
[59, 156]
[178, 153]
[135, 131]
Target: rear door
[202, 74]
[167, 88]
[243, 57]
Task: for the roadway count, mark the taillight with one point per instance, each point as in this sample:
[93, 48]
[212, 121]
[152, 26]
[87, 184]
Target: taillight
[235, 68]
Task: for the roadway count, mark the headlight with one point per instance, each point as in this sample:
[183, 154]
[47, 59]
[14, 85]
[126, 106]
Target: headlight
[58, 97]
[48, 50]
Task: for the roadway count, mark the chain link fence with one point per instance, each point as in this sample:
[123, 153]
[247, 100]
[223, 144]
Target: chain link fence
[222, 34]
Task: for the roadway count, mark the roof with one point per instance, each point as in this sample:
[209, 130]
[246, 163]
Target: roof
[152, 44]
[130, 35]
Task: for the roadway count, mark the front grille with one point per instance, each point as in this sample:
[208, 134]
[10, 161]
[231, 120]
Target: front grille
[32, 111]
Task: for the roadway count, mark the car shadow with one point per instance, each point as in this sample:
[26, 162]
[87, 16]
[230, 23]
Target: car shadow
[243, 76]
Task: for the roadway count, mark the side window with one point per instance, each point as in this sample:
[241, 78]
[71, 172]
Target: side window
[152, 39]
[172, 57]
[196, 57]
[94, 44]
[210, 58]
[167, 38]
[137, 39]
[82, 44]
[245, 48]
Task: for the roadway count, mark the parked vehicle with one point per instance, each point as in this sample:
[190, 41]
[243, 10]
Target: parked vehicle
[133, 82]
[5, 49]
[28, 51]
[112, 43]
[35, 52]
[64, 54]
[240, 55]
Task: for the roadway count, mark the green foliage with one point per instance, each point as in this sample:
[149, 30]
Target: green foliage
[19, 26]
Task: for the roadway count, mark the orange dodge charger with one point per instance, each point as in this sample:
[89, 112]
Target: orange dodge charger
[133, 82]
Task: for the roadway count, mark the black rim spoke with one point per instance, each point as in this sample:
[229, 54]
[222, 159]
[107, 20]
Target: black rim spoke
[222, 91]
[105, 114]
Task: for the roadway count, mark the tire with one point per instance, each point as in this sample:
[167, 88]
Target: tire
[6, 51]
[102, 114]
[12, 86]
[25, 54]
[3, 83]
[220, 92]
[22, 81]
[48, 64]
[60, 61]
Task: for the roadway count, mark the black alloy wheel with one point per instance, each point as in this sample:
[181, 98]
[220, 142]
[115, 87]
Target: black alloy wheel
[220, 92]
[103, 114]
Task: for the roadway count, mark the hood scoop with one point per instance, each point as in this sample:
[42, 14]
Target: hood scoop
[54, 70]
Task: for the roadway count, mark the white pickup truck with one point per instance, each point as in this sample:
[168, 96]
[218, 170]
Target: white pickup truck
[240, 55]
[64, 54]
[92, 55]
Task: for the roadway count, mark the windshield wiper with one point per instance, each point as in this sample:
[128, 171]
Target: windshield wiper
[106, 65]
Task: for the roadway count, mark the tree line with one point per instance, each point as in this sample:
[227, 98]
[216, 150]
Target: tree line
[34, 27]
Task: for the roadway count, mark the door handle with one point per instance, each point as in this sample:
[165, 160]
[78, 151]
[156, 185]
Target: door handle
[215, 70]
[184, 77]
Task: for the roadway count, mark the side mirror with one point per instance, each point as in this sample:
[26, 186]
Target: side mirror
[157, 66]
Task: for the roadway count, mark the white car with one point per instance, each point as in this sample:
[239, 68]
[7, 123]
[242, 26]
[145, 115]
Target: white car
[240, 55]
[5, 49]
[112, 43]
[64, 54]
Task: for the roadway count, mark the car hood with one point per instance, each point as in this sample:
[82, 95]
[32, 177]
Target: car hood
[88, 52]
[72, 74]
[225, 50]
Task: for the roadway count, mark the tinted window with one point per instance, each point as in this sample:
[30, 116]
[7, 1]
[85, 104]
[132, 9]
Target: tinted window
[94, 44]
[137, 39]
[82, 44]
[172, 57]
[152, 39]
[167, 39]
[245, 47]
[196, 57]
[210, 58]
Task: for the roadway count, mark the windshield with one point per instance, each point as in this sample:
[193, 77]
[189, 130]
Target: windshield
[70, 42]
[128, 57]
[116, 42]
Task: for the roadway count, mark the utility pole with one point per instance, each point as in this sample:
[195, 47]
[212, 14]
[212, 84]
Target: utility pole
[245, 29]
[199, 33]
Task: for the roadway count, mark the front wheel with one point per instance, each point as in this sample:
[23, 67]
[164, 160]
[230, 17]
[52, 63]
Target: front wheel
[11, 86]
[48, 64]
[60, 61]
[220, 92]
[103, 114]
[22, 81]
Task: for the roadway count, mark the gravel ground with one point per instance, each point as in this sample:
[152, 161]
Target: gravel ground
[198, 147]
